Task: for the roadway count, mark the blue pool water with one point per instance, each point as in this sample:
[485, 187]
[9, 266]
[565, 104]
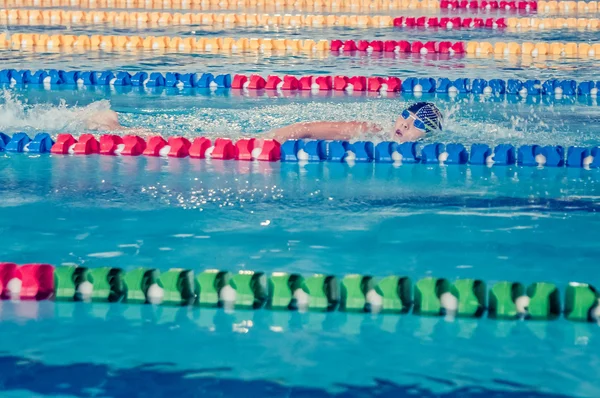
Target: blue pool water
[503, 223]
[507, 224]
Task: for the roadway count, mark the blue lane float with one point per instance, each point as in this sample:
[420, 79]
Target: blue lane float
[41, 143]
[21, 142]
[17, 143]
[4, 139]
[439, 153]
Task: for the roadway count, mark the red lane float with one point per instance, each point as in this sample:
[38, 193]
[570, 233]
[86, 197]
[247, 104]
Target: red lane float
[133, 145]
[256, 82]
[62, 144]
[87, 145]
[449, 22]
[403, 46]
[273, 82]
[349, 45]
[392, 84]
[270, 152]
[224, 149]
[28, 282]
[199, 147]
[154, 145]
[359, 83]
[324, 83]
[109, 143]
[340, 83]
[38, 281]
[488, 5]
[7, 272]
[290, 83]
[244, 148]
[252, 148]
[376, 46]
[238, 82]
[180, 147]
[337, 83]
[276, 83]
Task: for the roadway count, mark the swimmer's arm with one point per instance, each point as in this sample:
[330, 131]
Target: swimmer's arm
[108, 120]
[323, 131]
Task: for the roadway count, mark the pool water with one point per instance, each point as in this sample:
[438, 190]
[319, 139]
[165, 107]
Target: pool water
[495, 224]
[518, 224]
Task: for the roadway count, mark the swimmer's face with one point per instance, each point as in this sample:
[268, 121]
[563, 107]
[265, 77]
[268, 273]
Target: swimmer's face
[405, 130]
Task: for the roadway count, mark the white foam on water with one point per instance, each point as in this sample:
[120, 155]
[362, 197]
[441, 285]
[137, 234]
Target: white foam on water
[18, 115]
[133, 245]
[501, 215]
[105, 254]
[14, 200]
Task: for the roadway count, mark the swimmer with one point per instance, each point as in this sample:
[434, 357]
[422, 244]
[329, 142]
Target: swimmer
[414, 122]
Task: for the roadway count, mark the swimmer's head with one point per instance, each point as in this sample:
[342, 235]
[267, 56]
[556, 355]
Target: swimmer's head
[105, 120]
[416, 121]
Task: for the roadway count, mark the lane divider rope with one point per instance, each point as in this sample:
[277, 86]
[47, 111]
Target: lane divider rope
[298, 5]
[250, 290]
[546, 7]
[376, 84]
[266, 45]
[58, 17]
[250, 149]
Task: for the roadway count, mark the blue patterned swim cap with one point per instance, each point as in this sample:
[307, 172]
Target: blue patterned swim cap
[429, 114]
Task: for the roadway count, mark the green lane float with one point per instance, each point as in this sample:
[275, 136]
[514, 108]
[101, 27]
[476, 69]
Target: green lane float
[435, 296]
[208, 285]
[366, 294]
[395, 292]
[354, 289]
[323, 292]
[65, 285]
[138, 283]
[178, 287]
[544, 301]
[287, 292]
[471, 297]
[581, 302]
[107, 284]
[510, 300]
[503, 300]
[281, 291]
[246, 289]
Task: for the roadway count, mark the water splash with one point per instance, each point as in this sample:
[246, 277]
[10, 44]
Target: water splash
[17, 115]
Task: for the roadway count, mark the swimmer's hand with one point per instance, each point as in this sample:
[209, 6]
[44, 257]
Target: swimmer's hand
[324, 131]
